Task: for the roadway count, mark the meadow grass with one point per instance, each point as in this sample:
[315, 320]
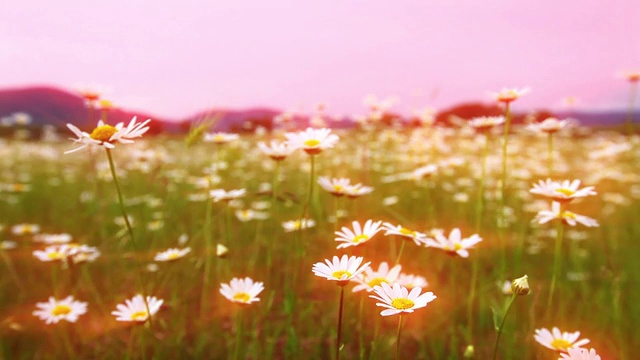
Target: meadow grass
[295, 318]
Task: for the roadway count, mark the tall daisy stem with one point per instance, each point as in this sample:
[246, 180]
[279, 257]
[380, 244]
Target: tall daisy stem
[130, 230]
[208, 249]
[401, 250]
[504, 317]
[398, 337]
[339, 338]
[503, 189]
[556, 259]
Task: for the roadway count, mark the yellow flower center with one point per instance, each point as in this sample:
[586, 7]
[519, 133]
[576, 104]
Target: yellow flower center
[103, 133]
[569, 214]
[360, 238]
[457, 246]
[242, 297]
[338, 274]
[409, 232]
[54, 255]
[60, 310]
[402, 303]
[377, 282]
[561, 344]
[139, 315]
[565, 191]
[219, 138]
[337, 188]
[312, 143]
[173, 256]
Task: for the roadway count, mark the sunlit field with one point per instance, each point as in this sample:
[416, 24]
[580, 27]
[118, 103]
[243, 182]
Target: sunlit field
[582, 273]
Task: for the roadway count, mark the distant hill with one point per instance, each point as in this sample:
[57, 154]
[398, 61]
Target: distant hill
[48, 105]
[52, 106]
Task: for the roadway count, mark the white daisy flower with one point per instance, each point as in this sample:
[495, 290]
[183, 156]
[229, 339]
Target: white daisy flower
[335, 186]
[135, 310]
[454, 244]
[371, 278]
[417, 237]
[359, 235]
[243, 291]
[277, 151]
[341, 270]
[172, 254]
[559, 341]
[106, 135]
[564, 191]
[568, 217]
[508, 95]
[312, 141]
[55, 310]
[295, 225]
[220, 137]
[580, 354]
[223, 195]
[398, 299]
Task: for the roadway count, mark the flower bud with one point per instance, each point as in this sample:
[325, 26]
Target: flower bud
[221, 250]
[520, 286]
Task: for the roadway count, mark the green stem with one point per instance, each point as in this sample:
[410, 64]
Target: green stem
[503, 189]
[274, 185]
[398, 337]
[239, 330]
[556, 259]
[130, 230]
[339, 338]
[305, 209]
[208, 250]
[361, 328]
[495, 349]
[401, 250]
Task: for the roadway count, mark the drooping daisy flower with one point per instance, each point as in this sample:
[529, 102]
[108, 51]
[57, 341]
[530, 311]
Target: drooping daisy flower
[568, 217]
[135, 310]
[172, 254]
[370, 278]
[243, 291]
[417, 237]
[359, 235]
[564, 191]
[580, 354]
[559, 341]
[223, 195]
[107, 135]
[277, 151]
[335, 186]
[295, 225]
[398, 299]
[55, 310]
[341, 270]
[454, 244]
[508, 95]
[312, 141]
[484, 123]
[220, 137]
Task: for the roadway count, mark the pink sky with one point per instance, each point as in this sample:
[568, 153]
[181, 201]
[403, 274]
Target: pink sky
[175, 60]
